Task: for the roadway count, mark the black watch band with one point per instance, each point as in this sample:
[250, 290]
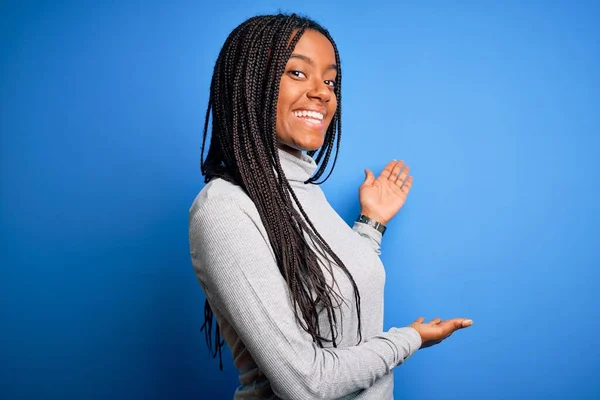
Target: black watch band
[372, 223]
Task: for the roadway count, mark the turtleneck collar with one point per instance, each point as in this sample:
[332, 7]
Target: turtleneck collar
[296, 169]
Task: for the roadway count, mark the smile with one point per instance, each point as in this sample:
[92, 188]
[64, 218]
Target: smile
[313, 117]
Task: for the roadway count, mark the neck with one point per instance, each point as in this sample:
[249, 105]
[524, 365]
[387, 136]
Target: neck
[290, 150]
[296, 169]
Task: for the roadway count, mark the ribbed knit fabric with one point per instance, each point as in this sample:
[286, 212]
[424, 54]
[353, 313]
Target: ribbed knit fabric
[276, 358]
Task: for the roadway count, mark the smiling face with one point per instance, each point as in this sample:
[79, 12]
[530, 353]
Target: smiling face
[307, 102]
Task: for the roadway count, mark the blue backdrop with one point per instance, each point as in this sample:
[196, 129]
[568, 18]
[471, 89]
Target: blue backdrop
[494, 105]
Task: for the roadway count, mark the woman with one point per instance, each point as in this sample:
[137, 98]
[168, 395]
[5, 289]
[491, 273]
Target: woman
[297, 293]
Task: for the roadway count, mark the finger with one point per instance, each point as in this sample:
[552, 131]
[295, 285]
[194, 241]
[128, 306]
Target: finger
[407, 185]
[458, 323]
[420, 320]
[463, 322]
[369, 177]
[396, 171]
[435, 321]
[387, 171]
[403, 174]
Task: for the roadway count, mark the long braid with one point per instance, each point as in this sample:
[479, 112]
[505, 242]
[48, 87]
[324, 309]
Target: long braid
[315, 281]
[243, 150]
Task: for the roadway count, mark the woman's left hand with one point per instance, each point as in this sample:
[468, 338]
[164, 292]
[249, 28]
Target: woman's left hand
[381, 198]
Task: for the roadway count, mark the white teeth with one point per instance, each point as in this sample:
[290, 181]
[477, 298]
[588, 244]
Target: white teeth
[310, 114]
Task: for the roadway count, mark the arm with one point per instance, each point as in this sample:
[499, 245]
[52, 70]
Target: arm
[382, 197]
[242, 280]
[371, 235]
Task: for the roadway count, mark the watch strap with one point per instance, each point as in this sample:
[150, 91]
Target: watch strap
[372, 223]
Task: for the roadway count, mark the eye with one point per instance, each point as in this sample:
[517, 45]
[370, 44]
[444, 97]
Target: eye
[330, 83]
[297, 73]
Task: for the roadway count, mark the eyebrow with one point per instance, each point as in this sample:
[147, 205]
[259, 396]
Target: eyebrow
[310, 61]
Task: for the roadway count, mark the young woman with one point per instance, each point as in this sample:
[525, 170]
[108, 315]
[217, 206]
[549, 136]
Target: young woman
[297, 293]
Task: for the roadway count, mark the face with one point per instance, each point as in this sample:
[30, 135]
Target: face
[307, 101]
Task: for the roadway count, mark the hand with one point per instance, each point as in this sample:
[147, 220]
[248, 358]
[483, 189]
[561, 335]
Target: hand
[381, 198]
[437, 330]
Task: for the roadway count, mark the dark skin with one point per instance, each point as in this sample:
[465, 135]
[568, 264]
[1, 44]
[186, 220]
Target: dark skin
[305, 108]
[307, 84]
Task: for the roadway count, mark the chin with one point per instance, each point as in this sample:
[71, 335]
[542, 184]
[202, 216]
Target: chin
[305, 145]
[311, 147]
[312, 144]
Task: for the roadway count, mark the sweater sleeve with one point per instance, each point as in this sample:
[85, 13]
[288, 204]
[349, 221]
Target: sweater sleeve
[241, 279]
[371, 235]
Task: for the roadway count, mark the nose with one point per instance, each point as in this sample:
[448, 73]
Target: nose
[319, 90]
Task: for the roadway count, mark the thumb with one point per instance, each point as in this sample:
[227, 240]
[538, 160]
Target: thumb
[466, 322]
[459, 323]
[369, 177]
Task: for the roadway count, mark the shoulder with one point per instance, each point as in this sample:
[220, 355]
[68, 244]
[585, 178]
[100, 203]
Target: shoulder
[222, 206]
[219, 196]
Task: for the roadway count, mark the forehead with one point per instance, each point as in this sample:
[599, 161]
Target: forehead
[315, 45]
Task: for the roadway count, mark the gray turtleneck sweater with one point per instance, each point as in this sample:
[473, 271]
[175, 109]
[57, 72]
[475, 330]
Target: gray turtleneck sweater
[276, 358]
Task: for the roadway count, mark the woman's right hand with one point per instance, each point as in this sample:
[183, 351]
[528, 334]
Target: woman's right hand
[437, 330]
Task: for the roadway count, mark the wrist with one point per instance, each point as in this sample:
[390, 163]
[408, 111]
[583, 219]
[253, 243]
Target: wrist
[364, 219]
[375, 217]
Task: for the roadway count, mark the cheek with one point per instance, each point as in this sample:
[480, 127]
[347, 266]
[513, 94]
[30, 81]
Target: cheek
[281, 115]
[285, 102]
[282, 124]
[281, 101]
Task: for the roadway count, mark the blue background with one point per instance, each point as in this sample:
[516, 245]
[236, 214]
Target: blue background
[494, 105]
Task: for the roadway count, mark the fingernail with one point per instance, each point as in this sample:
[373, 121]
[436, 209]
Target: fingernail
[468, 322]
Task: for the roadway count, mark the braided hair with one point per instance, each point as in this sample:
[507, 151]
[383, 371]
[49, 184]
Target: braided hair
[243, 150]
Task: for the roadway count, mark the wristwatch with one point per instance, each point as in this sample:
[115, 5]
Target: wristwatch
[372, 223]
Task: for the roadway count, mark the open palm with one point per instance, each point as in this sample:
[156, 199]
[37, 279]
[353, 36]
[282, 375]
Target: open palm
[382, 197]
